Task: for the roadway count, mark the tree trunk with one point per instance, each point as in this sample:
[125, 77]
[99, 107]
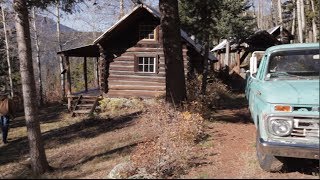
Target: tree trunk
[300, 32]
[121, 14]
[274, 13]
[7, 50]
[260, 15]
[62, 76]
[170, 25]
[293, 27]
[303, 18]
[39, 161]
[280, 18]
[279, 12]
[104, 65]
[205, 66]
[314, 26]
[36, 36]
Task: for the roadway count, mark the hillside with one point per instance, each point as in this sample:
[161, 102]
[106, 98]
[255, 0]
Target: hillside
[48, 25]
[50, 68]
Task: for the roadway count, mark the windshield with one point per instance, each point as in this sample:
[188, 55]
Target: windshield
[297, 64]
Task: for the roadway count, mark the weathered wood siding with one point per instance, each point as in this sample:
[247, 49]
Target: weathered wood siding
[124, 81]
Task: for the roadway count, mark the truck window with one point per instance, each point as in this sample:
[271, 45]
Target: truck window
[300, 63]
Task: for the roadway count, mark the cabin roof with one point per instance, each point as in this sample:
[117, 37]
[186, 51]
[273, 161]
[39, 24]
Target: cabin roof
[221, 45]
[260, 40]
[275, 31]
[125, 19]
[123, 23]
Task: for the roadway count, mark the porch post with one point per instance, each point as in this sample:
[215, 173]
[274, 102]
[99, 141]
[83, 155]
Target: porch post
[103, 70]
[227, 57]
[68, 82]
[238, 62]
[85, 77]
[97, 71]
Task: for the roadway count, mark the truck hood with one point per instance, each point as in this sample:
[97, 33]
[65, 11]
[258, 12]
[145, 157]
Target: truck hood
[291, 92]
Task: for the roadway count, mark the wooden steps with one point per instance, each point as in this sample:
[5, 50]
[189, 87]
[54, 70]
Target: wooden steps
[85, 105]
[81, 111]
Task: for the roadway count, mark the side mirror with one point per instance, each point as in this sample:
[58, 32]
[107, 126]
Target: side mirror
[253, 66]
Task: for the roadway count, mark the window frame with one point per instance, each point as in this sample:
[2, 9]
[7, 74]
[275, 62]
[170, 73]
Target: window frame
[155, 33]
[155, 63]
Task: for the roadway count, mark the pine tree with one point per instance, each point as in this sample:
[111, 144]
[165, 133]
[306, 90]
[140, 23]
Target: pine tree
[170, 25]
[209, 20]
[38, 158]
[39, 161]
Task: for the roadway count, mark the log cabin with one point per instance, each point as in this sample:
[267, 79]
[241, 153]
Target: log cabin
[131, 59]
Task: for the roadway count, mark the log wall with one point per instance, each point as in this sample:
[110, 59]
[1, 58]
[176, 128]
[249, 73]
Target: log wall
[124, 81]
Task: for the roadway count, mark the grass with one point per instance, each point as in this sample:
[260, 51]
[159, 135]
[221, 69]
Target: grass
[207, 144]
[149, 133]
[75, 147]
[89, 147]
[249, 169]
[203, 176]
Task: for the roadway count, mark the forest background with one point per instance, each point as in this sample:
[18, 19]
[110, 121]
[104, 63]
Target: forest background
[53, 30]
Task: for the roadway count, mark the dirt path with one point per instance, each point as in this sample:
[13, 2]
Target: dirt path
[230, 151]
[90, 148]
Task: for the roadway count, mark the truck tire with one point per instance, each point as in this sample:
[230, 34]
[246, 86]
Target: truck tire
[267, 162]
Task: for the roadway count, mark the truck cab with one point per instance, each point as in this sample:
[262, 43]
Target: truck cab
[283, 97]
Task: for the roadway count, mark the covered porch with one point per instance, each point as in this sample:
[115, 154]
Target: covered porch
[86, 94]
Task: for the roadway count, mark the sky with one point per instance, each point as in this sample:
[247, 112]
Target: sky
[99, 17]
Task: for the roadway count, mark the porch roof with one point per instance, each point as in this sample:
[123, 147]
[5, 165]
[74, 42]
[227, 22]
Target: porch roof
[83, 51]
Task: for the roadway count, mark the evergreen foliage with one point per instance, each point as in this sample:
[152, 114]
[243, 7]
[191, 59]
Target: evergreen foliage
[219, 18]
[200, 17]
[235, 20]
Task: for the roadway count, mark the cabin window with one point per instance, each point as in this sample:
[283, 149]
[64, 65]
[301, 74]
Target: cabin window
[147, 32]
[147, 64]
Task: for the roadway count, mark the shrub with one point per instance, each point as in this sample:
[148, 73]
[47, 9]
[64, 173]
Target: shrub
[117, 106]
[169, 152]
[217, 94]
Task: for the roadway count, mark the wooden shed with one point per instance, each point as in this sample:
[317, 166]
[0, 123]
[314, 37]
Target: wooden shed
[236, 53]
[233, 59]
[130, 56]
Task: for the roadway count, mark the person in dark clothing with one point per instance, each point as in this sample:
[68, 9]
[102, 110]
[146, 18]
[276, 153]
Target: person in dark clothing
[4, 123]
[6, 111]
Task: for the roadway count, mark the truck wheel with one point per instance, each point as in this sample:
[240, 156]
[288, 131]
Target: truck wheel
[267, 162]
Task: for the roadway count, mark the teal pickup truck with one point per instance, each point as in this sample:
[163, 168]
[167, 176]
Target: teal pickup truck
[283, 95]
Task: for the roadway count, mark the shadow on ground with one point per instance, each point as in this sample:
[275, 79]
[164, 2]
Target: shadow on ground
[27, 172]
[126, 149]
[304, 166]
[232, 116]
[87, 128]
[46, 115]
